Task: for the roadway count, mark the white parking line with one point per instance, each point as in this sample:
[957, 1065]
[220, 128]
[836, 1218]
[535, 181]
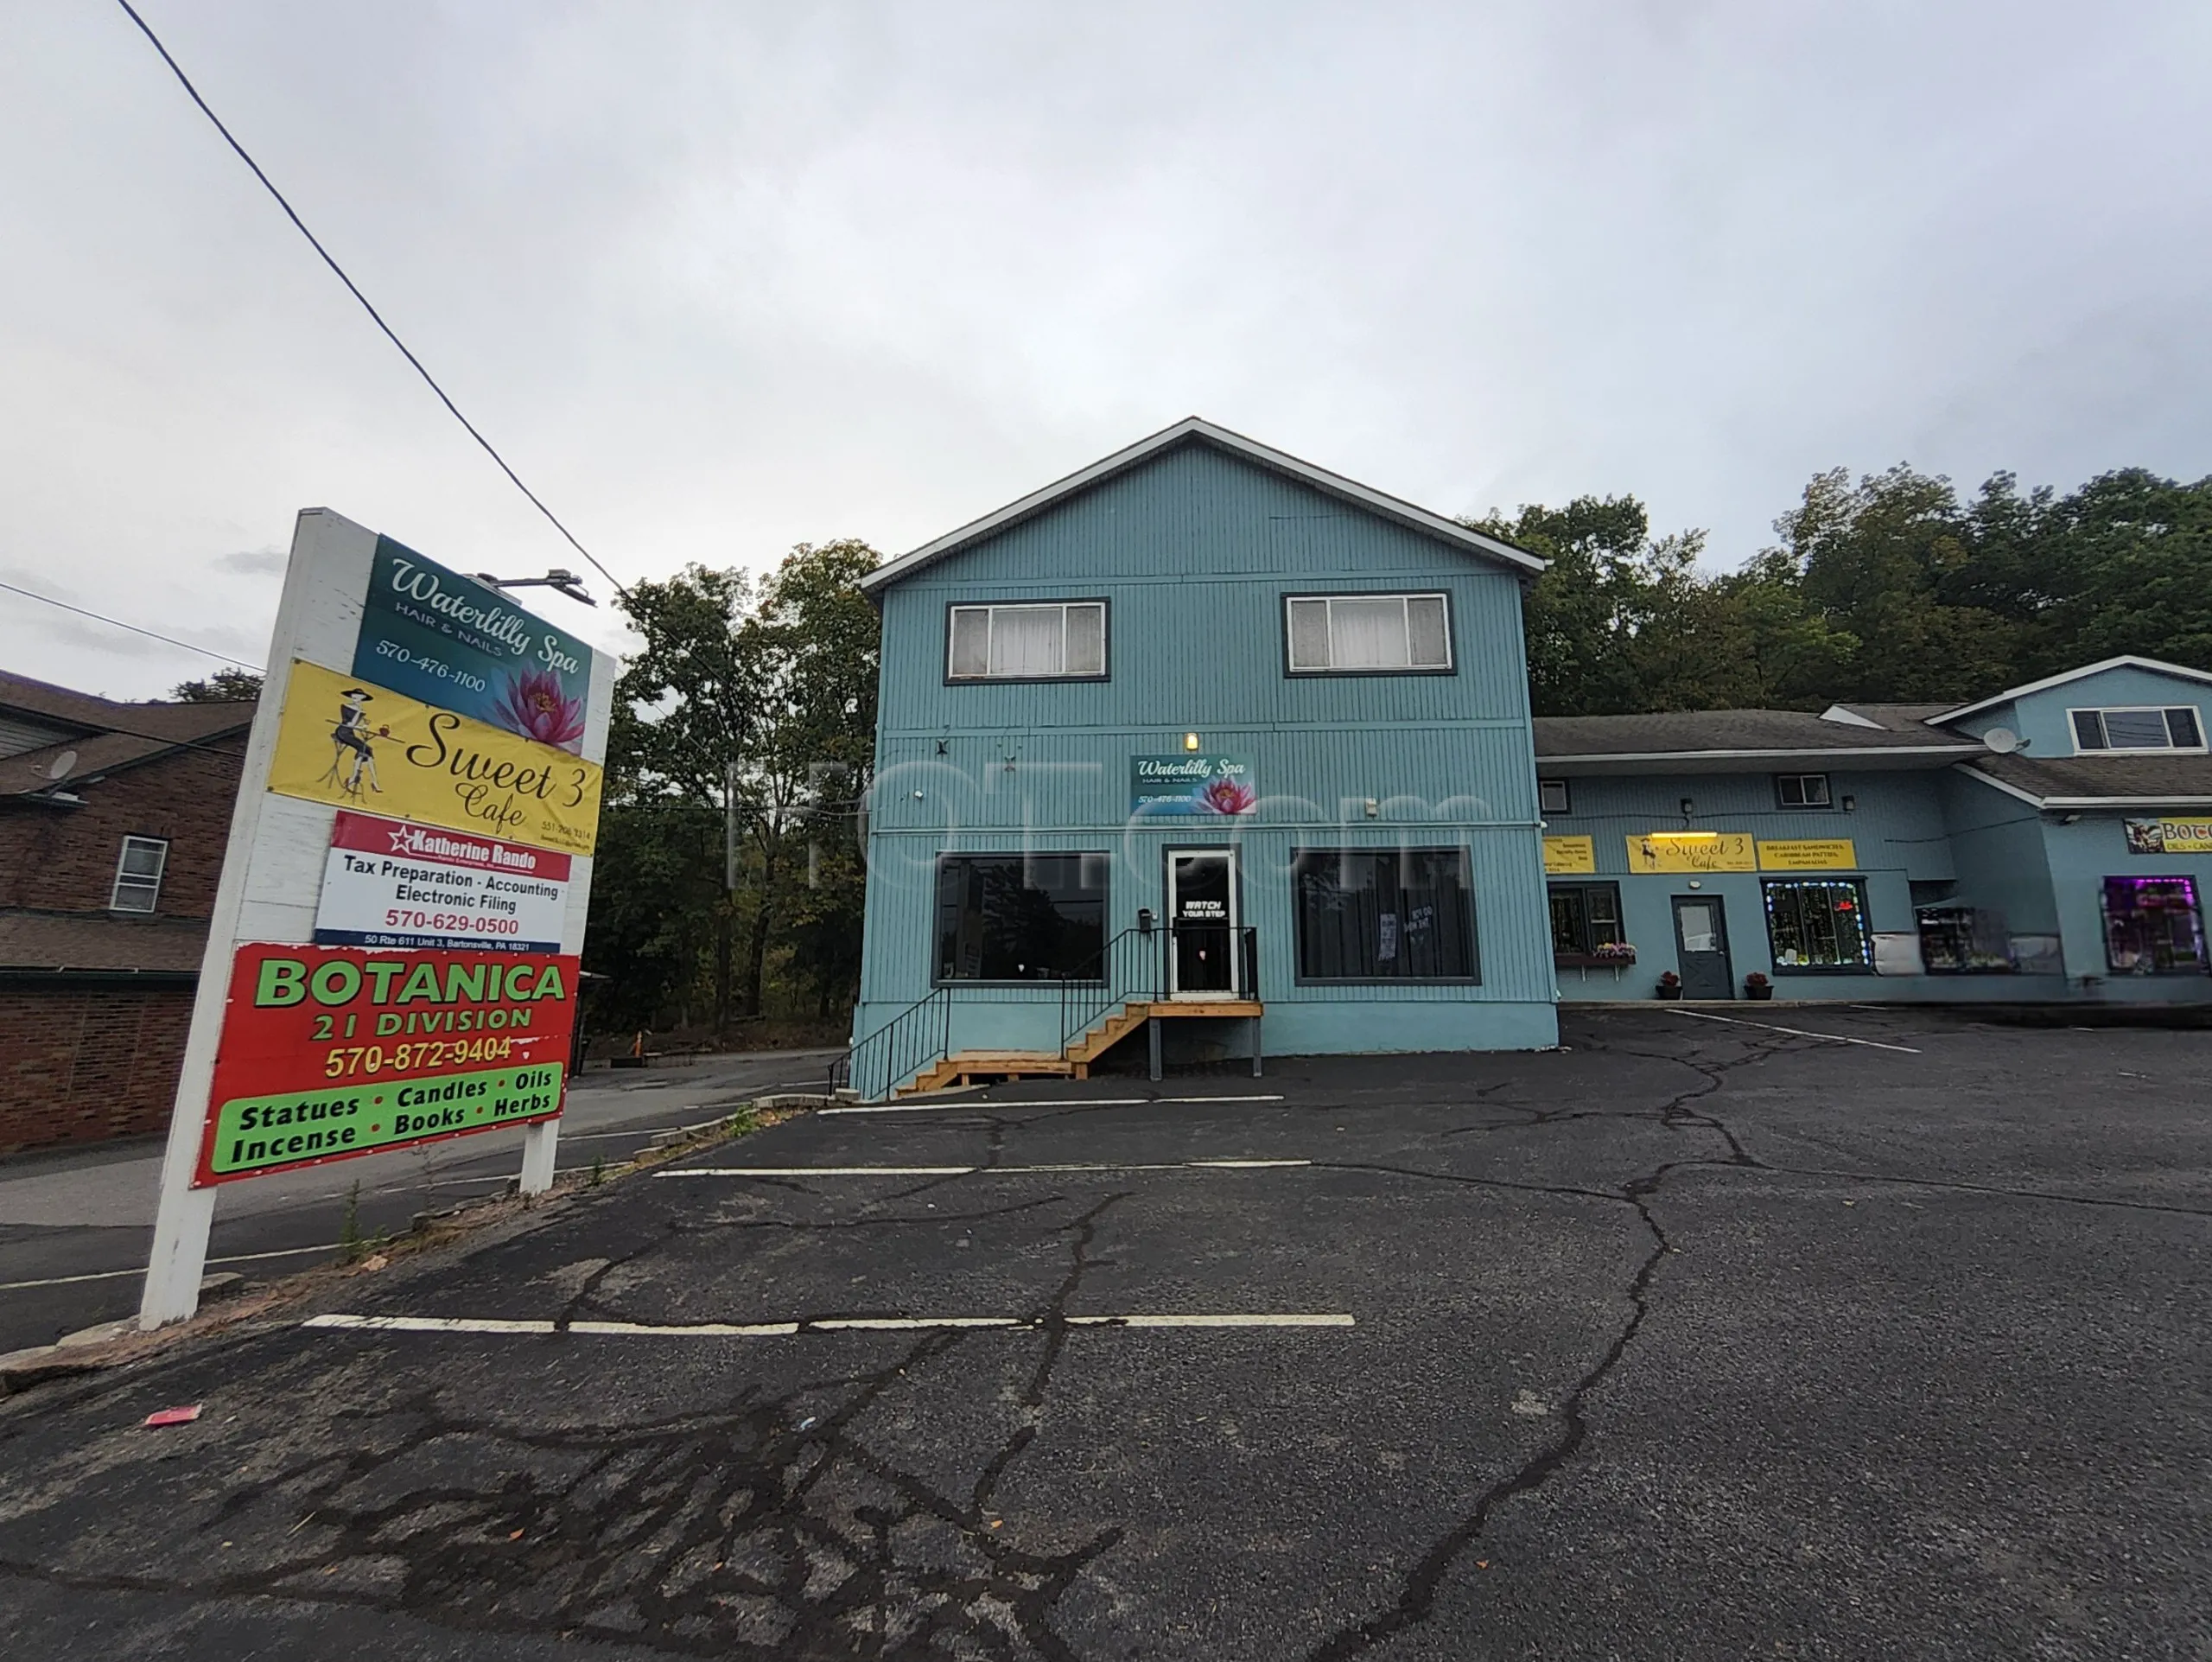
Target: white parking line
[971, 1171]
[1067, 1102]
[826, 1324]
[111, 1274]
[1799, 1033]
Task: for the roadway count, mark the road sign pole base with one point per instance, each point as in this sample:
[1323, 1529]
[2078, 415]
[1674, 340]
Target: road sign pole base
[180, 1257]
[539, 1143]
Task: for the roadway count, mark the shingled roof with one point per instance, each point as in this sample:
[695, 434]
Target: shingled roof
[50, 724]
[1747, 734]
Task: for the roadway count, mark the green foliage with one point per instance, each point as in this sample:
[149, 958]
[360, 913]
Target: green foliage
[1888, 589]
[223, 687]
[729, 879]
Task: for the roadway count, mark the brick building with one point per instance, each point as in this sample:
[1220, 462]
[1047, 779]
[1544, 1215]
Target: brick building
[113, 818]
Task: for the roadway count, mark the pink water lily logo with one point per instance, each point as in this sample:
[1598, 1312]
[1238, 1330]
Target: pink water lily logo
[533, 705]
[1229, 796]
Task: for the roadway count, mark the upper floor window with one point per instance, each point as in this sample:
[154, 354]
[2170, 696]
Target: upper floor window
[1800, 790]
[1552, 797]
[1027, 641]
[138, 873]
[2145, 728]
[1370, 635]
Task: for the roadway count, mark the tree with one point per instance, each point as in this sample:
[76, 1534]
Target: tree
[743, 739]
[1874, 560]
[223, 687]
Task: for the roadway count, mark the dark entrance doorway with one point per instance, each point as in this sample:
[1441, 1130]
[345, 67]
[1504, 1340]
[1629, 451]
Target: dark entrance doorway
[1701, 947]
[1202, 913]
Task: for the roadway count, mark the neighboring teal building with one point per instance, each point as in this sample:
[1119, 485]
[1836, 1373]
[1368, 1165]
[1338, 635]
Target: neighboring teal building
[1208, 746]
[2050, 843]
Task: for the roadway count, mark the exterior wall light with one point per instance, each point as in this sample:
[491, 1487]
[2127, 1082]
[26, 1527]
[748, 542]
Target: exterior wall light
[1190, 741]
[1689, 807]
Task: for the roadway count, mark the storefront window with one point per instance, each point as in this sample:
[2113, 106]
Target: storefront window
[1384, 915]
[1015, 917]
[2152, 926]
[1963, 941]
[1586, 918]
[1819, 924]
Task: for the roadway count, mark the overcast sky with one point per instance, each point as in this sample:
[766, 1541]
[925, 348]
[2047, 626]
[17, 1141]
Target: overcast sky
[722, 278]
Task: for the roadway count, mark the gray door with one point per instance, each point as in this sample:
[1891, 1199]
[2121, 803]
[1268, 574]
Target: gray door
[1701, 947]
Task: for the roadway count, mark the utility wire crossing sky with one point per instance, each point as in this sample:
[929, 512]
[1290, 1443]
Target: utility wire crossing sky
[726, 277]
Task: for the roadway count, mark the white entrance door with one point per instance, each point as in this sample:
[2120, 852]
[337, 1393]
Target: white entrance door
[1202, 915]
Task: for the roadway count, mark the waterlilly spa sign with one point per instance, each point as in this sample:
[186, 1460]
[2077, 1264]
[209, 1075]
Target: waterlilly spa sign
[1191, 785]
[456, 643]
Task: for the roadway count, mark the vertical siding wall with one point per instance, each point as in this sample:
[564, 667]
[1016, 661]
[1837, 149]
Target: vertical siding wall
[1897, 831]
[1193, 553]
[2054, 871]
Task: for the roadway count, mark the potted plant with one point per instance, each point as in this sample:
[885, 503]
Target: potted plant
[1670, 985]
[1756, 986]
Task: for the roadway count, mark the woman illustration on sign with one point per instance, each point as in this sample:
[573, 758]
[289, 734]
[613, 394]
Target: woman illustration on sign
[350, 734]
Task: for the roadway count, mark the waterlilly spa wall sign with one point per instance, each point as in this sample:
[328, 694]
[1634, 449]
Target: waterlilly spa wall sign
[1191, 785]
[456, 643]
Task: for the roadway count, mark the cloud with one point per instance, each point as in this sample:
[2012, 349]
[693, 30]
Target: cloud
[719, 279]
[255, 562]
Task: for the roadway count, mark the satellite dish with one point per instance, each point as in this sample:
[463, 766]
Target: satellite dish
[60, 767]
[2001, 741]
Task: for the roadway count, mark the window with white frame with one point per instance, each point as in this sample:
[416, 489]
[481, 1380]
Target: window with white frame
[1800, 790]
[2149, 727]
[1368, 634]
[138, 873]
[1552, 797]
[1027, 641]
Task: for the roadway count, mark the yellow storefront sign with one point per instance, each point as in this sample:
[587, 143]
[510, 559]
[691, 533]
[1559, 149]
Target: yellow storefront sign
[357, 745]
[1692, 852]
[2170, 836]
[1568, 856]
[1809, 854]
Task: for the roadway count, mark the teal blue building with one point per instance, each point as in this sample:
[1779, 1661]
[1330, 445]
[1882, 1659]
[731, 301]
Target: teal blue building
[1207, 739]
[1208, 750]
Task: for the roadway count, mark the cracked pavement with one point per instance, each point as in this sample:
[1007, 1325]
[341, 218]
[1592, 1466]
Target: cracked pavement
[1692, 1341]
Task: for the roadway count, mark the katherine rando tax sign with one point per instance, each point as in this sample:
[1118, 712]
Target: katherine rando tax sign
[389, 883]
[329, 1051]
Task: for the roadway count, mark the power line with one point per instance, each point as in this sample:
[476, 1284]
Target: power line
[118, 623]
[185, 81]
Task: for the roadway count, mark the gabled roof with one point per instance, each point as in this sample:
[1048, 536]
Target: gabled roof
[2124, 662]
[1195, 429]
[2164, 782]
[105, 733]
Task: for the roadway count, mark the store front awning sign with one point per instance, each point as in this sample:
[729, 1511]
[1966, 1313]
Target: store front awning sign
[1692, 852]
[1570, 855]
[1188, 785]
[2170, 836]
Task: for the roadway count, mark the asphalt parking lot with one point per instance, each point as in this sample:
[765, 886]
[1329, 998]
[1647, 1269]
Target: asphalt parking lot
[76, 1225]
[1697, 1340]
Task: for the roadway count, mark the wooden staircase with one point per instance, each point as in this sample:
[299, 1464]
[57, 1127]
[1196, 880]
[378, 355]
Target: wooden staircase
[967, 1067]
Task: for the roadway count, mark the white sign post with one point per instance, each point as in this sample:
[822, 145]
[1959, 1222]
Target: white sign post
[280, 851]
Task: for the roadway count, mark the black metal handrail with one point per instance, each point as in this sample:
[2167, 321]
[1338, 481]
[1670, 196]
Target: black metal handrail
[1132, 966]
[902, 1047]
